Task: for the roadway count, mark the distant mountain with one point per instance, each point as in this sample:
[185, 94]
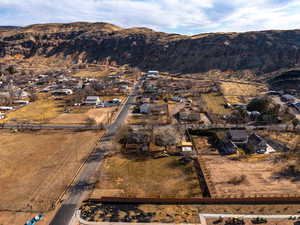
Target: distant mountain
[259, 52]
[9, 27]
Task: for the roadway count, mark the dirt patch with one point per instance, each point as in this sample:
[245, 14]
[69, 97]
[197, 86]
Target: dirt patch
[259, 177]
[163, 177]
[37, 166]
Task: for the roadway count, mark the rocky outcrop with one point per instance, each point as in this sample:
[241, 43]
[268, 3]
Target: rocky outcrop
[261, 52]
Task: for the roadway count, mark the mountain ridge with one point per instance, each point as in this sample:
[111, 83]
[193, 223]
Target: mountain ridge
[257, 51]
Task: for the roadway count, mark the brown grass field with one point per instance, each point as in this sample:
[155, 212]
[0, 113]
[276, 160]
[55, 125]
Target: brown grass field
[93, 74]
[259, 177]
[163, 177]
[37, 166]
[237, 89]
[100, 115]
[37, 112]
[215, 103]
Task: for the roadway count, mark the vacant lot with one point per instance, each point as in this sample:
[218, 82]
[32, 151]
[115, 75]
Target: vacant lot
[215, 103]
[38, 112]
[250, 177]
[237, 89]
[93, 73]
[37, 166]
[164, 177]
[100, 116]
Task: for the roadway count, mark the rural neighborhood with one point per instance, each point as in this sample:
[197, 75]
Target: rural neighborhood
[91, 138]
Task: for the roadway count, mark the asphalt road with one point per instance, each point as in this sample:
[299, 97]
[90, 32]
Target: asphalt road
[81, 186]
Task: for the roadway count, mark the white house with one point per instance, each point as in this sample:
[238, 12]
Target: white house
[153, 72]
[21, 102]
[2, 116]
[6, 108]
[93, 100]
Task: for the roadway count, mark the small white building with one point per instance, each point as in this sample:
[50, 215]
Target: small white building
[93, 100]
[2, 116]
[6, 108]
[153, 72]
[20, 102]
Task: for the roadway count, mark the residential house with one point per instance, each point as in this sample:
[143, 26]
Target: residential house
[256, 144]
[186, 148]
[189, 114]
[61, 92]
[153, 72]
[2, 116]
[20, 102]
[93, 100]
[288, 98]
[228, 147]
[137, 141]
[297, 106]
[238, 137]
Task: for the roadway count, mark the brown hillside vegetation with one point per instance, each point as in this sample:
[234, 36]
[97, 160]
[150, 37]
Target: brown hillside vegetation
[257, 52]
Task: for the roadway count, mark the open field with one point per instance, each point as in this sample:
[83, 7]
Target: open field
[93, 74]
[38, 112]
[215, 103]
[237, 89]
[37, 166]
[100, 115]
[250, 177]
[163, 177]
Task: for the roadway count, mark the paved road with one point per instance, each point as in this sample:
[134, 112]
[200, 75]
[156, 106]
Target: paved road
[79, 190]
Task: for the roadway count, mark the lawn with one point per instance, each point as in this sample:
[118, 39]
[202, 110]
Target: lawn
[163, 177]
[38, 111]
[215, 103]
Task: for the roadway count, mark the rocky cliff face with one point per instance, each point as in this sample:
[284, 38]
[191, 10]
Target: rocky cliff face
[264, 51]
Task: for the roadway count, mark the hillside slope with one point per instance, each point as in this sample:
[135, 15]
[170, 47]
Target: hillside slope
[260, 52]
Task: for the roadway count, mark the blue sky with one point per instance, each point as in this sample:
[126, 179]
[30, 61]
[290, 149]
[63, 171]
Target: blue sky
[176, 16]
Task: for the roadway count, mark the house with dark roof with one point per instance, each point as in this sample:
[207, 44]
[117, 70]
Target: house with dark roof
[288, 98]
[238, 137]
[256, 144]
[297, 106]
